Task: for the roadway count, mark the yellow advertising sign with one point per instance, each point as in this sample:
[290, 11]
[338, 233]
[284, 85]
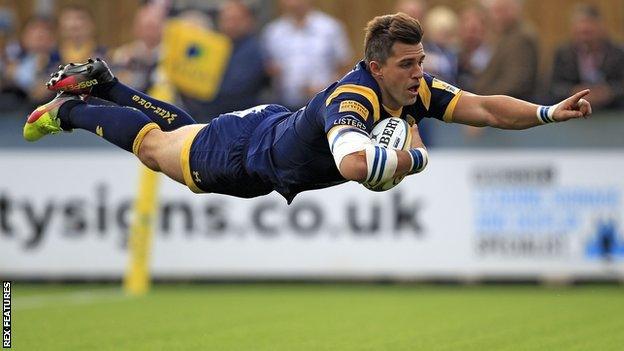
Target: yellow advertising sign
[195, 59]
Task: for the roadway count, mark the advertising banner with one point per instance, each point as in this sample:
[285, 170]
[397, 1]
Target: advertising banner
[474, 214]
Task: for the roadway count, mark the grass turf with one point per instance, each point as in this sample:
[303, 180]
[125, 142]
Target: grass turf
[319, 317]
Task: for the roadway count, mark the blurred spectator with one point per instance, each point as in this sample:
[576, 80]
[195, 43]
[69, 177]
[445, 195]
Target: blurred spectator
[77, 35]
[192, 22]
[6, 30]
[33, 59]
[307, 50]
[245, 76]
[440, 37]
[474, 53]
[512, 69]
[474, 50]
[198, 18]
[7, 97]
[415, 8]
[418, 10]
[439, 43]
[135, 62]
[589, 60]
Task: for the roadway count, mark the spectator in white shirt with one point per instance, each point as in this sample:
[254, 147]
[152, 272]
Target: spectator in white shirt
[306, 50]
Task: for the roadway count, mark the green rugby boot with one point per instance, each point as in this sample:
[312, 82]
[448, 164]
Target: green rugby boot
[44, 119]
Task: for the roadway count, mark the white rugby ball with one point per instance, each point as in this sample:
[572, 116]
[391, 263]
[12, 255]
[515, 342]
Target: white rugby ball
[391, 133]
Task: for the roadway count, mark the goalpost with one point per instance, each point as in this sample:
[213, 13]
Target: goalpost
[137, 278]
[194, 61]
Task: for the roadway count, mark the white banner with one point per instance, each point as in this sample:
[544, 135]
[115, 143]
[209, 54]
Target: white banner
[528, 214]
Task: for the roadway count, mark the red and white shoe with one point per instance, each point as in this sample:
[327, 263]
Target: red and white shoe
[80, 78]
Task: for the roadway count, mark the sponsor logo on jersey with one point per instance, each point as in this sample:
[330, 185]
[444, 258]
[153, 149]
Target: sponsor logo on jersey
[196, 177]
[354, 106]
[438, 84]
[350, 120]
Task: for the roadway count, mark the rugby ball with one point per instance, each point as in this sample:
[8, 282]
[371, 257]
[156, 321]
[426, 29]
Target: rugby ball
[391, 133]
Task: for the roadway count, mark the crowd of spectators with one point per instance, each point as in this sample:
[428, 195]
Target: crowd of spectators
[484, 48]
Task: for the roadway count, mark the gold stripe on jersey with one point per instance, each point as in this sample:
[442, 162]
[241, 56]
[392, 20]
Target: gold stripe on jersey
[448, 113]
[332, 132]
[393, 113]
[141, 135]
[185, 162]
[424, 93]
[410, 120]
[366, 92]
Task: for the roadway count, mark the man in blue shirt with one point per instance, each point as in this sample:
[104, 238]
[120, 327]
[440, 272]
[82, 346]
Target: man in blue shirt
[253, 152]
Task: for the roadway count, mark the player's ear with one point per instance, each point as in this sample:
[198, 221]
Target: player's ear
[376, 69]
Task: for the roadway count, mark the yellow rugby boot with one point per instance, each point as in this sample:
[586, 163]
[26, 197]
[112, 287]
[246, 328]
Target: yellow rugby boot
[44, 119]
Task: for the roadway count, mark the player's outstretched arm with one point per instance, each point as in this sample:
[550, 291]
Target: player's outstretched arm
[505, 112]
[355, 165]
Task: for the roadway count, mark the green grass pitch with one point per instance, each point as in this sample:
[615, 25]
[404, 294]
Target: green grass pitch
[318, 317]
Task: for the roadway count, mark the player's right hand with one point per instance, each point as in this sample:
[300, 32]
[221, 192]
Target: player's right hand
[573, 107]
[416, 140]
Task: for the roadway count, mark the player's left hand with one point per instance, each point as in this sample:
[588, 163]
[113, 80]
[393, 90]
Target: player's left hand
[573, 107]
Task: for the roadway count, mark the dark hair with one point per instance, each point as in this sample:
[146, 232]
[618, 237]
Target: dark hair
[39, 19]
[78, 8]
[587, 11]
[383, 31]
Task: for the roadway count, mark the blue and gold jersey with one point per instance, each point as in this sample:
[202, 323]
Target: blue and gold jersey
[291, 151]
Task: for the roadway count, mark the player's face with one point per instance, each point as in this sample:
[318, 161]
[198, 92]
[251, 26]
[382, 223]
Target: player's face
[400, 75]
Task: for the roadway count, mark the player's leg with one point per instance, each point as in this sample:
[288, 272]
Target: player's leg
[125, 127]
[94, 77]
[117, 124]
[161, 151]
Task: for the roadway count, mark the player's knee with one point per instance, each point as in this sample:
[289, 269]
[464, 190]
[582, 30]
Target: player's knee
[149, 149]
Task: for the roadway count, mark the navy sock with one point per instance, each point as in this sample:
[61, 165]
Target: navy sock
[122, 126]
[167, 116]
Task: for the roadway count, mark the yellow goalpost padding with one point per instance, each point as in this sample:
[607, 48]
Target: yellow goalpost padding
[137, 277]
